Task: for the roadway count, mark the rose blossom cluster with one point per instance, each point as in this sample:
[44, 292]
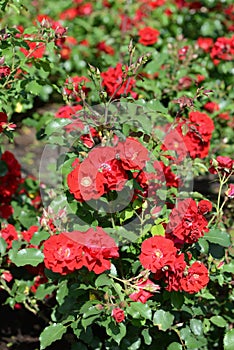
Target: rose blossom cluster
[70, 251]
[163, 256]
[9, 183]
[220, 50]
[190, 137]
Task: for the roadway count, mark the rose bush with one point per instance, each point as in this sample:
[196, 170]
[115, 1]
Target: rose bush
[115, 245]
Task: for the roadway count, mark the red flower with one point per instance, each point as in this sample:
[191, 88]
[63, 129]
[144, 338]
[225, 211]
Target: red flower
[10, 182]
[6, 211]
[196, 278]
[183, 52]
[157, 253]
[144, 289]
[102, 46]
[27, 235]
[205, 43]
[221, 164]
[97, 247]
[9, 234]
[62, 254]
[223, 49]
[118, 314]
[132, 154]
[3, 120]
[148, 36]
[36, 49]
[211, 107]
[230, 191]
[4, 71]
[116, 82]
[173, 275]
[204, 206]
[186, 223]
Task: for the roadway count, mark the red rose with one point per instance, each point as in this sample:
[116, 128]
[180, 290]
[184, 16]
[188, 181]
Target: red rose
[62, 254]
[36, 49]
[10, 234]
[157, 253]
[221, 164]
[27, 235]
[196, 278]
[223, 49]
[204, 206]
[97, 247]
[132, 154]
[3, 120]
[102, 46]
[143, 291]
[116, 82]
[211, 107]
[186, 223]
[148, 36]
[4, 71]
[205, 43]
[118, 314]
[173, 275]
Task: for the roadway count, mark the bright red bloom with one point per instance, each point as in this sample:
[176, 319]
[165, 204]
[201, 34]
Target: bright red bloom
[85, 182]
[27, 235]
[205, 43]
[10, 234]
[157, 253]
[3, 120]
[62, 254]
[148, 36]
[196, 278]
[4, 71]
[97, 247]
[132, 154]
[186, 223]
[222, 50]
[118, 314]
[116, 82]
[204, 206]
[69, 14]
[36, 49]
[230, 191]
[10, 182]
[221, 164]
[173, 275]
[102, 46]
[211, 107]
[144, 290]
[84, 9]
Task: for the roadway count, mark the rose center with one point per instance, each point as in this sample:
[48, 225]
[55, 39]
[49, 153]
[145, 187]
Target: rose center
[158, 253]
[86, 181]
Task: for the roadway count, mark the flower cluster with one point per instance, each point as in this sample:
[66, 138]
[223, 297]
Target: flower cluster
[9, 183]
[160, 256]
[70, 251]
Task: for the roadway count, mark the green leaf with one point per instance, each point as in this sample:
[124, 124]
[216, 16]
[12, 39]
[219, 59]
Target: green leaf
[56, 126]
[196, 326]
[147, 337]
[50, 334]
[218, 321]
[174, 346]
[137, 309]
[163, 319]
[228, 340]
[62, 292]
[39, 236]
[34, 88]
[116, 331]
[43, 290]
[3, 168]
[177, 299]
[103, 280]
[158, 230]
[219, 237]
[26, 256]
[3, 246]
